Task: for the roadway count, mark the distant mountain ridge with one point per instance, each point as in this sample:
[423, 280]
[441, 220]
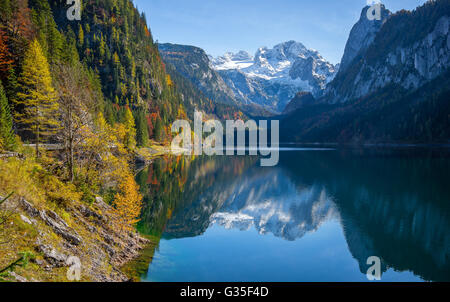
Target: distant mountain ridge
[260, 85]
[193, 63]
[273, 76]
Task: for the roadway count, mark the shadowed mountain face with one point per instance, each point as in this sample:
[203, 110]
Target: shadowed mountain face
[301, 100]
[203, 87]
[392, 85]
[391, 204]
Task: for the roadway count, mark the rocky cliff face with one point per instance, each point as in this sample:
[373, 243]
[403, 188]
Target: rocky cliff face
[268, 80]
[93, 234]
[394, 91]
[362, 35]
[408, 51]
[273, 76]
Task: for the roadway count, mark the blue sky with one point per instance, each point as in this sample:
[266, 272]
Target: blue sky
[218, 26]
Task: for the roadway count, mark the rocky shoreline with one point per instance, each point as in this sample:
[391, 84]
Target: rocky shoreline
[92, 234]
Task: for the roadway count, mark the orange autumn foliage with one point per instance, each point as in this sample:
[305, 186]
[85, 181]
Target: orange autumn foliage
[128, 201]
[5, 55]
[147, 32]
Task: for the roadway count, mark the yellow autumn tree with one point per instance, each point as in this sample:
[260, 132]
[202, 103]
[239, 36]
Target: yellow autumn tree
[37, 100]
[128, 201]
[80, 35]
[104, 161]
[169, 80]
[97, 144]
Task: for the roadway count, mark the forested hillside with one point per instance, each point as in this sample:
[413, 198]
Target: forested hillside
[392, 115]
[194, 99]
[77, 101]
[114, 46]
[202, 87]
[193, 63]
[113, 39]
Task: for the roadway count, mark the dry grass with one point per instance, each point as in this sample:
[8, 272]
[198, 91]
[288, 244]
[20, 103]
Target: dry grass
[32, 181]
[28, 179]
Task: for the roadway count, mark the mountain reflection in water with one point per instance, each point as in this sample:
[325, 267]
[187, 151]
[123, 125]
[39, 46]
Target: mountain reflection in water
[391, 203]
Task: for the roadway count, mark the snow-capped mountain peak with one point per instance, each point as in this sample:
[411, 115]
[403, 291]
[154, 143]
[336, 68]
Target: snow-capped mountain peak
[273, 76]
[290, 50]
[230, 60]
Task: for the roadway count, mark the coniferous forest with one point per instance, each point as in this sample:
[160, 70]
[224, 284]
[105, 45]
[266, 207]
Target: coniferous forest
[78, 100]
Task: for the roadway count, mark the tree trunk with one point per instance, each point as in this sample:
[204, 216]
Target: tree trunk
[71, 159]
[71, 138]
[37, 142]
[37, 132]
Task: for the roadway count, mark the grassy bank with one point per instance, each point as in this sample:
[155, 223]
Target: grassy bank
[46, 220]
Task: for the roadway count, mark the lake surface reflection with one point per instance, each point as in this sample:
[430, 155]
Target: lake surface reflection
[317, 216]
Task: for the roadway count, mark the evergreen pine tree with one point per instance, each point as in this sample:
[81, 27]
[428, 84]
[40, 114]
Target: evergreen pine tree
[6, 122]
[37, 97]
[11, 86]
[158, 129]
[130, 126]
[141, 129]
[5, 10]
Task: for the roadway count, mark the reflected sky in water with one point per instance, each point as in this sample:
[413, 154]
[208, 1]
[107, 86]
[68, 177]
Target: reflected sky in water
[317, 216]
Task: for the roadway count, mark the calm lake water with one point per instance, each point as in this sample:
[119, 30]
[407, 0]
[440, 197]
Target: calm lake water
[317, 216]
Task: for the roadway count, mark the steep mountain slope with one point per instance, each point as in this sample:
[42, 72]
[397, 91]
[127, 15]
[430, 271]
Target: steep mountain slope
[193, 63]
[392, 115]
[301, 100]
[411, 49]
[273, 76]
[190, 66]
[112, 39]
[395, 91]
[195, 100]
